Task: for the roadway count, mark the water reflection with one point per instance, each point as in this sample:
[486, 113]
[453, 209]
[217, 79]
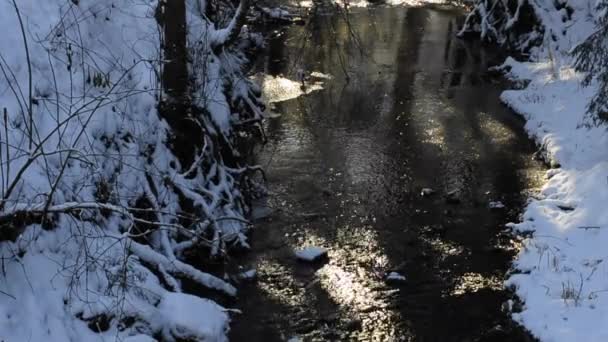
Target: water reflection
[407, 106]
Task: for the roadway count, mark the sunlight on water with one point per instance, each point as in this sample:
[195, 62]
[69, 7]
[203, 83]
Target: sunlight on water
[443, 248]
[495, 130]
[354, 278]
[279, 89]
[346, 163]
[362, 158]
[297, 142]
[473, 282]
[434, 136]
[290, 293]
[347, 289]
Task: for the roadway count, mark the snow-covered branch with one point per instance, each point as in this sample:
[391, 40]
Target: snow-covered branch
[230, 33]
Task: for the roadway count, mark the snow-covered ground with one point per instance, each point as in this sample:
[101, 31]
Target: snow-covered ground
[565, 277]
[562, 272]
[90, 149]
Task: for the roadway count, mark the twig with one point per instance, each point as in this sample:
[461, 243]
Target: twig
[29, 71]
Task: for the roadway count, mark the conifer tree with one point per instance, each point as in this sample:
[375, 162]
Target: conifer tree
[592, 58]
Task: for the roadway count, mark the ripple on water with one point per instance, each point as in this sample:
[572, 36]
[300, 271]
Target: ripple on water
[346, 163]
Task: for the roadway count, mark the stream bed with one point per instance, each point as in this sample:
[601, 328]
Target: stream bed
[394, 103]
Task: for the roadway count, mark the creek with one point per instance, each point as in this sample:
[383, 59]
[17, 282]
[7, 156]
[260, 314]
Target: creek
[395, 103]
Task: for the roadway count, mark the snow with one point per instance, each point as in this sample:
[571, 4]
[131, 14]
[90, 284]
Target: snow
[562, 275]
[54, 281]
[277, 13]
[186, 316]
[427, 192]
[139, 338]
[312, 253]
[94, 66]
[248, 275]
[395, 277]
[567, 251]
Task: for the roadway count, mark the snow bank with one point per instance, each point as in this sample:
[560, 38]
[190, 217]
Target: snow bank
[91, 150]
[561, 273]
[565, 276]
[190, 317]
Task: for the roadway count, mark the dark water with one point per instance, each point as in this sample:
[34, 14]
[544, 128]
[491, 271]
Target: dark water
[409, 106]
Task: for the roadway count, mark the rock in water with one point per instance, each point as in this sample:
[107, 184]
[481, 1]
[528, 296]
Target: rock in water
[496, 205]
[453, 197]
[312, 254]
[261, 212]
[395, 278]
[425, 192]
[248, 275]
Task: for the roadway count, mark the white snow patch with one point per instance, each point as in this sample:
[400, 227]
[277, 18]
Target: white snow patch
[395, 277]
[277, 13]
[187, 316]
[248, 275]
[426, 192]
[318, 74]
[139, 338]
[565, 276]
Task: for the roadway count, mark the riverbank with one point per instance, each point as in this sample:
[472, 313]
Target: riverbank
[121, 182]
[561, 274]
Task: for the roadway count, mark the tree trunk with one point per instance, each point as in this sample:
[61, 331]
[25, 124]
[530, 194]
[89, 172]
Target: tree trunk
[175, 71]
[175, 107]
